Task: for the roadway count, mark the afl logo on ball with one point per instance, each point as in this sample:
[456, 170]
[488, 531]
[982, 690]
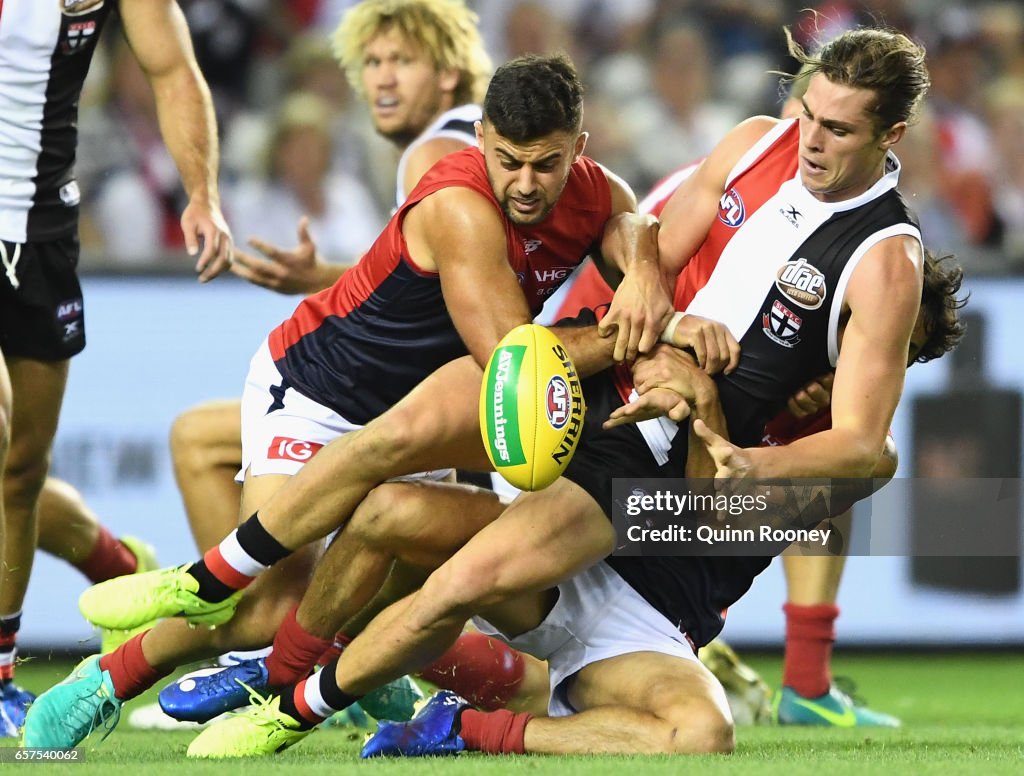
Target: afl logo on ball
[802, 284]
[731, 210]
[558, 404]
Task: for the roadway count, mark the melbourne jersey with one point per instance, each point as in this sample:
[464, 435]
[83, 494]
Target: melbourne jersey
[454, 124]
[44, 58]
[361, 345]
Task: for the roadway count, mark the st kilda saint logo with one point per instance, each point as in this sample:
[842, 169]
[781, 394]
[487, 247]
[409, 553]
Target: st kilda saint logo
[782, 325]
[77, 35]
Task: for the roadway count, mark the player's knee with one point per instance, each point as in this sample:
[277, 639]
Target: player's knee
[379, 519]
[391, 441]
[25, 475]
[701, 728]
[188, 437]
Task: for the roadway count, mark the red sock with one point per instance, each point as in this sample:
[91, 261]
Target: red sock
[483, 670]
[129, 670]
[810, 631]
[494, 732]
[295, 652]
[109, 558]
[334, 651]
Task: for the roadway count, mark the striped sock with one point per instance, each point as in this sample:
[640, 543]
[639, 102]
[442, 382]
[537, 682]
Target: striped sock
[9, 626]
[233, 564]
[315, 699]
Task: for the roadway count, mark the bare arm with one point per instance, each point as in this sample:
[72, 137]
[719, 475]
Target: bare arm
[642, 304]
[159, 38]
[459, 234]
[692, 209]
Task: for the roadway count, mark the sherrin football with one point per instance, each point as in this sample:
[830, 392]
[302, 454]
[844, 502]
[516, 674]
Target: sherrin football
[531, 407]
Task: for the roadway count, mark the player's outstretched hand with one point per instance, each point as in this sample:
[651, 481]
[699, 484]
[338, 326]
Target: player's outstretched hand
[295, 271]
[640, 309]
[203, 221]
[656, 403]
[730, 461]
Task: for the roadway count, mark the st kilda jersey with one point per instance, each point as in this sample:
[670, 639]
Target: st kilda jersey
[774, 269]
[361, 345]
[44, 58]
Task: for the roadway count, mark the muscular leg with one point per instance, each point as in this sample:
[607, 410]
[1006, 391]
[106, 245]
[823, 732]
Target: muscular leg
[391, 525]
[426, 430]
[206, 448]
[557, 532]
[38, 391]
[644, 703]
[813, 579]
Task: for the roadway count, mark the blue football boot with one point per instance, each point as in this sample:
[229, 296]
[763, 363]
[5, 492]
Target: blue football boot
[433, 731]
[202, 695]
[14, 702]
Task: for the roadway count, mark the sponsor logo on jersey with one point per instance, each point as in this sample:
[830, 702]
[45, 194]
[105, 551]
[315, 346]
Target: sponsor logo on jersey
[72, 308]
[791, 214]
[529, 246]
[781, 325]
[72, 330]
[78, 34]
[802, 283]
[552, 274]
[288, 449]
[70, 194]
[731, 210]
[558, 405]
[79, 7]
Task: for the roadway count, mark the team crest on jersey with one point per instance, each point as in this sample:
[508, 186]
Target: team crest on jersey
[78, 35]
[529, 246]
[731, 210]
[782, 325]
[802, 284]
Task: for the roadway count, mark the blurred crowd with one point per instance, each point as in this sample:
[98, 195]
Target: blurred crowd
[665, 80]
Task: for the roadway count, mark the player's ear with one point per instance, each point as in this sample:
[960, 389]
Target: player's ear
[893, 135]
[581, 143]
[478, 128]
[449, 80]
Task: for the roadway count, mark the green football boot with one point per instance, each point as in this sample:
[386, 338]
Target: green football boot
[835, 708]
[145, 556]
[136, 599]
[263, 729]
[396, 701]
[67, 713]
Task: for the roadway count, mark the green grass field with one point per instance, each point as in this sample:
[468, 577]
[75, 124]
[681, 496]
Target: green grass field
[962, 713]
